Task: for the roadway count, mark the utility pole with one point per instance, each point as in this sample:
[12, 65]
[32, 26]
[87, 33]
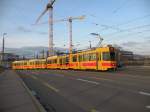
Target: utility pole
[3, 46]
[47, 54]
[37, 56]
[43, 54]
[90, 44]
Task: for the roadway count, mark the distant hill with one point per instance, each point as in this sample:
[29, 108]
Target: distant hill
[30, 51]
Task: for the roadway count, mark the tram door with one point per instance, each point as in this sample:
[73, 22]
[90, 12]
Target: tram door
[97, 58]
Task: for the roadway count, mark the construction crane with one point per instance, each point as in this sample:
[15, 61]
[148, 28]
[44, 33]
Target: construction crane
[69, 19]
[100, 39]
[49, 7]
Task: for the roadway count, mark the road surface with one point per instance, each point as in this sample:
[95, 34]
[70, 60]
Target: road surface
[126, 90]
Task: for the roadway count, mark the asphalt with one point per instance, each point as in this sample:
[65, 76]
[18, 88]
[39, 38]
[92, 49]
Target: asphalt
[126, 90]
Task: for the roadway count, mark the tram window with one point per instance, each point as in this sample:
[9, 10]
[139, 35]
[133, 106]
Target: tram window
[36, 63]
[80, 58]
[85, 57]
[108, 56]
[74, 58]
[49, 61]
[112, 56]
[55, 60]
[66, 60]
[99, 56]
[92, 57]
[60, 61]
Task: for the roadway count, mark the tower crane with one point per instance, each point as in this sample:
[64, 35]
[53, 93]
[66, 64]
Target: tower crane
[49, 7]
[70, 20]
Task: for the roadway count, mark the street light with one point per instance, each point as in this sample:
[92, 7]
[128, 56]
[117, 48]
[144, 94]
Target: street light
[95, 34]
[3, 46]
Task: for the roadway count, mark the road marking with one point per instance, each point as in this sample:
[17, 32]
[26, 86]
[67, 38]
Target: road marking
[46, 84]
[93, 82]
[102, 79]
[148, 107]
[34, 77]
[144, 93]
[51, 87]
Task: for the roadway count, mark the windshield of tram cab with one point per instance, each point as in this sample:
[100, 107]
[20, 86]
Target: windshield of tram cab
[108, 56]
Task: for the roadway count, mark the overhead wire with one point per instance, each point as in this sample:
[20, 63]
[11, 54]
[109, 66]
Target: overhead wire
[121, 6]
[130, 29]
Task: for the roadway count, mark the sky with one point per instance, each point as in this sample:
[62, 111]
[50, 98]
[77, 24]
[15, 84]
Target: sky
[125, 23]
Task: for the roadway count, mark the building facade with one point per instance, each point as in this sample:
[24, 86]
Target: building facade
[7, 58]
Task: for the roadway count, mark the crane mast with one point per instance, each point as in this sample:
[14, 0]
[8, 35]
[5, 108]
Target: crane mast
[51, 51]
[49, 8]
[70, 35]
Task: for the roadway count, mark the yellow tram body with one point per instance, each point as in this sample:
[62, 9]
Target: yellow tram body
[102, 58]
[37, 64]
[52, 62]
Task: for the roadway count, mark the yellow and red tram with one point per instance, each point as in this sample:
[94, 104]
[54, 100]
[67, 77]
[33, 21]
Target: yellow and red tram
[102, 58]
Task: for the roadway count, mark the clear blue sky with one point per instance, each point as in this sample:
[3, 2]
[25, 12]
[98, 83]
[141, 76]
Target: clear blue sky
[122, 22]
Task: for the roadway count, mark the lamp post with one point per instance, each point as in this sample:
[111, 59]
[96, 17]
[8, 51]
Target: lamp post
[3, 46]
[90, 44]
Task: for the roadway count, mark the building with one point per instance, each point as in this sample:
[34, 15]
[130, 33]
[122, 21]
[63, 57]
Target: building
[7, 59]
[124, 57]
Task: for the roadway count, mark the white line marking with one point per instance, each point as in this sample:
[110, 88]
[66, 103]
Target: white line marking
[144, 93]
[148, 106]
[50, 87]
[34, 77]
[93, 82]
